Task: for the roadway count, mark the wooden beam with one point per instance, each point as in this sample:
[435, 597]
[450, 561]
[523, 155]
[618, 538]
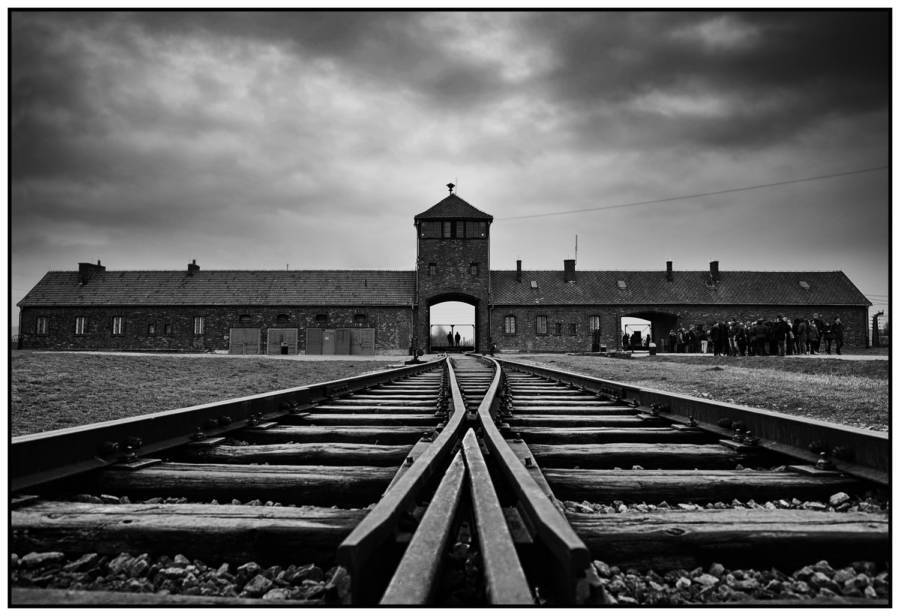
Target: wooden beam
[559, 436]
[737, 538]
[383, 435]
[689, 486]
[301, 485]
[338, 454]
[212, 533]
[648, 455]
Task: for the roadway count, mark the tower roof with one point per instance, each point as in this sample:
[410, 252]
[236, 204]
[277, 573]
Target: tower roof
[453, 207]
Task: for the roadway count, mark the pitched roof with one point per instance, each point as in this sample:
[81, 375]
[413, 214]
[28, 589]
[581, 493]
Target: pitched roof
[226, 287]
[453, 207]
[687, 287]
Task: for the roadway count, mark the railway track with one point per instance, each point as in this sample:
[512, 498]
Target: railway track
[452, 483]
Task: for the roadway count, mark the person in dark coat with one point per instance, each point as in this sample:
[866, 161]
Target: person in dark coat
[837, 331]
[812, 337]
[457, 339]
[801, 336]
[449, 340]
[820, 328]
[715, 335]
[780, 331]
[828, 335]
[672, 341]
[759, 338]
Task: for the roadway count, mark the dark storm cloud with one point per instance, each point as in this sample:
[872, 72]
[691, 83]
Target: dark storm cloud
[186, 129]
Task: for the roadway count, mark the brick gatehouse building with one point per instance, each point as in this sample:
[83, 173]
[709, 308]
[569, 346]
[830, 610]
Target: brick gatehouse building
[378, 311]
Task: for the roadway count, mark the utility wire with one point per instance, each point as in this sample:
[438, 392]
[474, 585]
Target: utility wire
[703, 194]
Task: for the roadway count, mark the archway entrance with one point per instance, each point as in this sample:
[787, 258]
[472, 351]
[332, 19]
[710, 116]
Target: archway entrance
[649, 323]
[451, 327]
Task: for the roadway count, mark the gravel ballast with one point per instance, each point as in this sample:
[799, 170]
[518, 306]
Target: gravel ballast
[166, 575]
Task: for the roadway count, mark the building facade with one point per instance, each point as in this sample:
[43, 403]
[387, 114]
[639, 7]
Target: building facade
[388, 312]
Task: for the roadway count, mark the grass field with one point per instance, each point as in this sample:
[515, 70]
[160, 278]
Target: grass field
[59, 390]
[854, 393]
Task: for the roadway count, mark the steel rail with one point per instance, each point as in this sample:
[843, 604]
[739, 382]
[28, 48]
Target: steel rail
[862, 453]
[357, 551]
[570, 556]
[415, 578]
[49, 456]
[505, 581]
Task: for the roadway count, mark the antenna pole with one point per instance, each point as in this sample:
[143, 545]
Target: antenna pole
[576, 248]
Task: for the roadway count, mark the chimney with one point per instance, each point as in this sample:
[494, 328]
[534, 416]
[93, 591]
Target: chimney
[714, 271]
[193, 268]
[669, 275]
[86, 271]
[518, 270]
[569, 270]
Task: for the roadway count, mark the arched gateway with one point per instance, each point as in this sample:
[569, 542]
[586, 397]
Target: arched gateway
[452, 263]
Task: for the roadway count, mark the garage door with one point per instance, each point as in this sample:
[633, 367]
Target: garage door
[244, 341]
[362, 341]
[314, 340]
[278, 338]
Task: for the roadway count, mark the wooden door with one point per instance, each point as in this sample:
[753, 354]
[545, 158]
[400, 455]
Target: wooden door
[362, 341]
[342, 341]
[278, 337]
[243, 341]
[314, 339]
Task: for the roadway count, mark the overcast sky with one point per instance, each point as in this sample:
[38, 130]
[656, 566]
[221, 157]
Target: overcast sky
[310, 140]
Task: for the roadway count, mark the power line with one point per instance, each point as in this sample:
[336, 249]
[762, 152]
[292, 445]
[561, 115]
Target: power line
[696, 195]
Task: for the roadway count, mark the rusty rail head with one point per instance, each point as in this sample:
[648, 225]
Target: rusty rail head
[357, 551]
[858, 452]
[48, 456]
[549, 527]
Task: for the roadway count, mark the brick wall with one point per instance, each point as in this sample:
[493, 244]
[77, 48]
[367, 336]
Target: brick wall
[453, 280]
[527, 340]
[392, 325]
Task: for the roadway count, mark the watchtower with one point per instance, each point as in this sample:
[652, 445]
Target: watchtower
[453, 262]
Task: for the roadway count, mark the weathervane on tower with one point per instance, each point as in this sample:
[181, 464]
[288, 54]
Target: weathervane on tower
[450, 186]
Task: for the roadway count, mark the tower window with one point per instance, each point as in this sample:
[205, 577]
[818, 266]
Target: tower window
[432, 269]
[473, 269]
[42, 327]
[430, 229]
[460, 229]
[476, 229]
[509, 324]
[447, 230]
[540, 325]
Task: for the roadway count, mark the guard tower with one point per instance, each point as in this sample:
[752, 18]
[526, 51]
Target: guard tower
[453, 263]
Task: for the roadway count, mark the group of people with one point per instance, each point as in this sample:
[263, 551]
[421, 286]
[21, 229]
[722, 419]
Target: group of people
[451, 339]
[780, 336]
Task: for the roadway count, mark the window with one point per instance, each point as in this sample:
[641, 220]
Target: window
[321, 318]
[118, 326]
[167, 329]
[432, 269]
[595, 323]
[80, 325]
[430, 229]
[282, 318]
[540, 325]
[151, 329]
[473, 269]
[509, 324]
[42, 327]
[476, 229]
[557, 329]
[199, 326]
[572, 329]
[244, 319]
[460, 229]
[448, 230]
[359, 320]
